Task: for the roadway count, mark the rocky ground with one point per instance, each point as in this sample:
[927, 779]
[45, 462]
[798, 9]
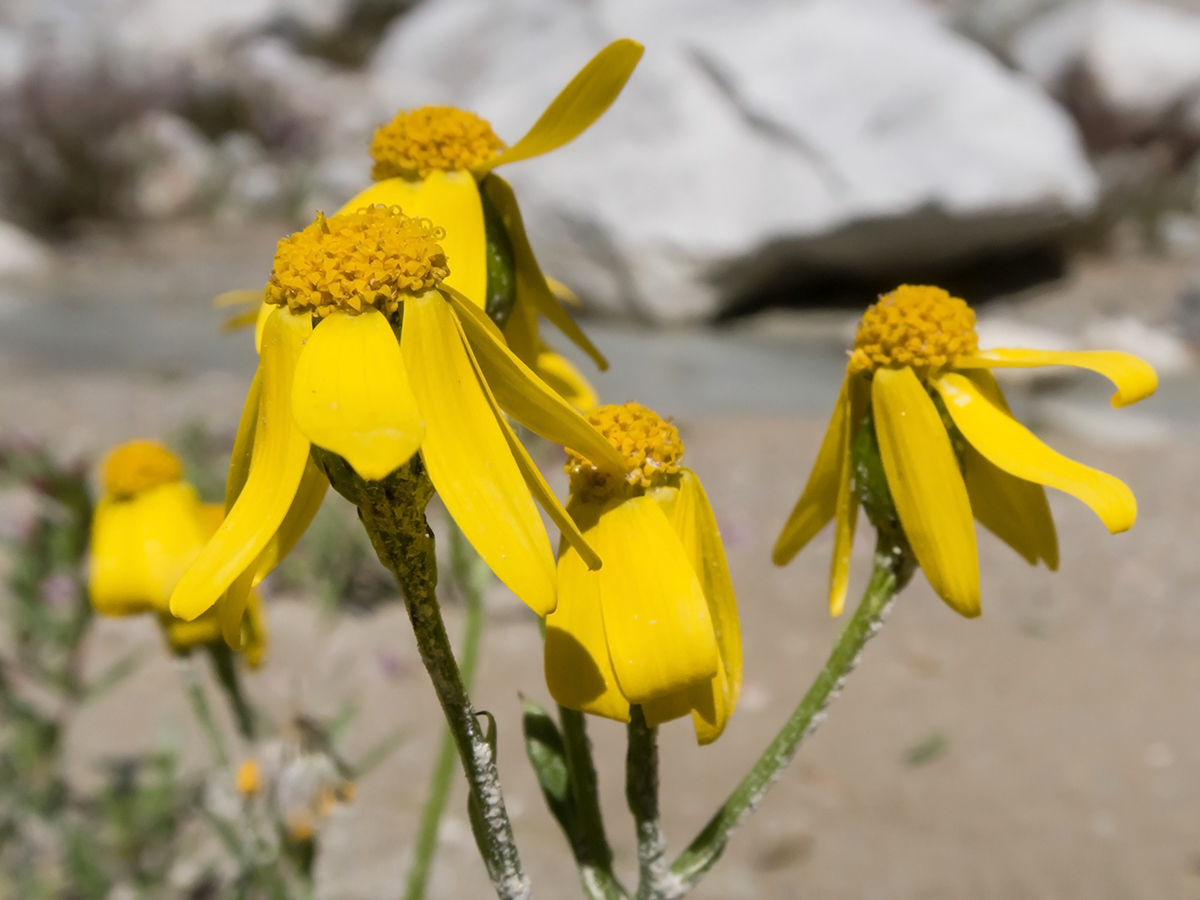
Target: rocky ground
[1046, 750]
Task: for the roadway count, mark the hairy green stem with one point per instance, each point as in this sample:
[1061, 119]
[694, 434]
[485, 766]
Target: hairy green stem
[641, 793]
[893, 567]
[393, 513]
[593, 855]
[470, 576]
[204, 715]
[225, 666]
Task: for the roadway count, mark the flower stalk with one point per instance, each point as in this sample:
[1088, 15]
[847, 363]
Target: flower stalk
[641, 793]
[471, 577]
[225, 667]
[593, 855]
[893, 567]
[392, 511]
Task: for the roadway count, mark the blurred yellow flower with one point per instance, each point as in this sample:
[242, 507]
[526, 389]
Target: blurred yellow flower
[658, 625]
[148, 527]
[248, 780]
[334, 373]
[950, 447]
[437, 162]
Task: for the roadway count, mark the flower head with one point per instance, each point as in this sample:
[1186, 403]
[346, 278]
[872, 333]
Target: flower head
[148, 527]
[368, 353]
[657, 626]
[438, 162]
[950, 447]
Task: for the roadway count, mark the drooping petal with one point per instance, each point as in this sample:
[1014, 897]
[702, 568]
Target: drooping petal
[696, 526]
[526, 397]
[306, 503]
[558, 372]
[533, 291]
[467, 457]
[660, 635]
[846, 517]
[818, 502]
[243, 442]
[451, 201]
[579, 672]
[231, 607]
[276, 466]
[1008, 444]
[183, 636]
[1014, 510]
[1134, 378]
[577, 106]
[927, 486]
[140, 548]
[351, 394]
[531, 473]
[255, 639]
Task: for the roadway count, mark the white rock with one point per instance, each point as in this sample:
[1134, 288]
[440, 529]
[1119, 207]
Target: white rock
[1168, 353]
[769, 127]
[22, 256]
[1142, 60]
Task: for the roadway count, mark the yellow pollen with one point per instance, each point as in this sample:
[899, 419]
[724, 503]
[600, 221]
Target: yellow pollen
[138, 466]
[917, 326]
[649, 442]
[376, 257]
[431, 139]
[249, 778]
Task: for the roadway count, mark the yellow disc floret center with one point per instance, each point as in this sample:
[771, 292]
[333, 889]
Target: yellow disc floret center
[650, 443]
[921, 327]
[375, 256]
[431, 139]
[139, 466]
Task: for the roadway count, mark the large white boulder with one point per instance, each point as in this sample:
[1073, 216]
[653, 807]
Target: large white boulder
[1137, 62]
[753, 137]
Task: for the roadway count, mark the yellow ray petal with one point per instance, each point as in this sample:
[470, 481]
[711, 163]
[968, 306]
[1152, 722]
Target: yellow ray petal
[1008, 444]
[276, 466]
[451, 201]
[927, 486]
[306, 503]
[531, 473]
[468, 458]
[231, 607]
[558, 372]
[526, 397]
[846, 516]
[255, 639]
[696, 526]
[140, 548]
[577, 106]
[579, 672]
[660, 635]
[532, 290]
[183, 636]
[1134, 378]
[567, 296]
[818, 502]
[1014, 510]
[351, 394]
[243, 442]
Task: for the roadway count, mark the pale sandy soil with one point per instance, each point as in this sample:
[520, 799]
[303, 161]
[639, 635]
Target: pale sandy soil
[1067, 714]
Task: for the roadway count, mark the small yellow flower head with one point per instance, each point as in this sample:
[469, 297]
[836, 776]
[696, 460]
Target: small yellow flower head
[375, 256]
[650, 443]
[249, 778]
[138, 466]
[430, 139]
[920, 327]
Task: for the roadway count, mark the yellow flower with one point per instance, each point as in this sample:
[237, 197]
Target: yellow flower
[148, 527]
[248, 780]
[658, 625]
[950, 447]
[333, 373]
[436, 162]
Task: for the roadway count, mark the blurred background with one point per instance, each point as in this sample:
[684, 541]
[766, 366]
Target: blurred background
[771, 168]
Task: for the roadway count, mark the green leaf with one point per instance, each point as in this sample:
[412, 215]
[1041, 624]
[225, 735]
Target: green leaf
[547, 755]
